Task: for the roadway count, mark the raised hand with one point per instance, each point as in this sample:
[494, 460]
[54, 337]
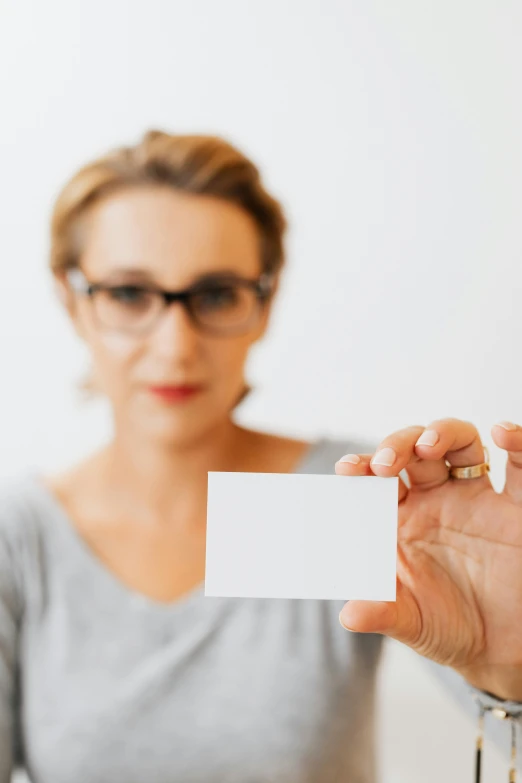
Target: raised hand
[459, 580]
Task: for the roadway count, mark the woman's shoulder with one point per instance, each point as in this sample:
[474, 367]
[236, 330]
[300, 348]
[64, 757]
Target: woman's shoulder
[281, 454]
[21, 522]
[22, 510]
[324, 452]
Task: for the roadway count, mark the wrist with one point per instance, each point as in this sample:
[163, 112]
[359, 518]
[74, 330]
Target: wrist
[501, 682]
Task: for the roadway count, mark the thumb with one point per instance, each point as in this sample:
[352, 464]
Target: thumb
[508, 437]
[400, 619]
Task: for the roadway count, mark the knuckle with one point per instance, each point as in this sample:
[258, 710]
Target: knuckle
[403, 435]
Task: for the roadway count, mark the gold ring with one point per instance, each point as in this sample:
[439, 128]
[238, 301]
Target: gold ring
[472, 471]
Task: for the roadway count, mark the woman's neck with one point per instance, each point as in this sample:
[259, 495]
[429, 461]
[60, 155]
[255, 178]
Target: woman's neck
[166, 481]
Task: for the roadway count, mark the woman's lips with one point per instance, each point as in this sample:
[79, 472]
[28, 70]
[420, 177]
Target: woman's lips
[175, 393]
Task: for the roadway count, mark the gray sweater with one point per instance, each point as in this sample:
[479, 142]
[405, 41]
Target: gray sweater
[99, 684]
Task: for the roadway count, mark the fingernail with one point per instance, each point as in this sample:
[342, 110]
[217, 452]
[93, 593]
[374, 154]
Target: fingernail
[342, 623]
[507, 425]
[428, 438]
[353, 458]
[385, 456]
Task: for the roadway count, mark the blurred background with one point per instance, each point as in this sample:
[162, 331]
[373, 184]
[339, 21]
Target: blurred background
[393, 134]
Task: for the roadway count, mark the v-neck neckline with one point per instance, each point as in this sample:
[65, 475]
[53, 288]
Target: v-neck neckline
[102, 571]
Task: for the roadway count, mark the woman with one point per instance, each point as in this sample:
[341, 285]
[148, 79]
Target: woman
[113, 665]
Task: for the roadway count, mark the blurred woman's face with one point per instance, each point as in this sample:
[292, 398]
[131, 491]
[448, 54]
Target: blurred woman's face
[174, 382]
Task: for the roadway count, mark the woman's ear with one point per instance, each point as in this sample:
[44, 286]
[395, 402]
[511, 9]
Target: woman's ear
[262, 326]
[66, 297]
[62, 290]
[267, 311]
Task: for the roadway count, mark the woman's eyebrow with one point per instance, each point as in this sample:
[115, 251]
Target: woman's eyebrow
[129, 273]
[140, 276]
[216, 277]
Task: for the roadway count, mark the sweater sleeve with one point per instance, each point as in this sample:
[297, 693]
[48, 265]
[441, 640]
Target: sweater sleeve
[10, 614]
[497, 712]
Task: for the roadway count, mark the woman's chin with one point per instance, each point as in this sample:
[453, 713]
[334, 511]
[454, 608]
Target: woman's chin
[172, 433]
[173, 424]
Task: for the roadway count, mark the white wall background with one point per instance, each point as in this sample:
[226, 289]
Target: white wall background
[393, 133]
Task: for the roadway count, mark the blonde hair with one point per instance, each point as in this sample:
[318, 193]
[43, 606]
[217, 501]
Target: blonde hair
[197, 164]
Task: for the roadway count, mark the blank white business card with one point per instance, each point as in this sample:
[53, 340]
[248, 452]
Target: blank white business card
[272, 535]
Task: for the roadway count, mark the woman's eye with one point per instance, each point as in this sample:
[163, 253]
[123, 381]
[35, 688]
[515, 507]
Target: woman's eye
[128, 294]
[218, 298]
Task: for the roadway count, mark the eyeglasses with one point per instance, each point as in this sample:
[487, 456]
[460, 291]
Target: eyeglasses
[222, 305]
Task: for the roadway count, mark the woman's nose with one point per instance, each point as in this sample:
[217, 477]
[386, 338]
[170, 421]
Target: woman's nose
[175, 334]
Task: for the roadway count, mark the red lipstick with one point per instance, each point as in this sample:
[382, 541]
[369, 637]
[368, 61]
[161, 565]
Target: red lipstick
[175, 393]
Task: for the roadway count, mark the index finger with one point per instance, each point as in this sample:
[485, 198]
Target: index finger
[456, 440]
